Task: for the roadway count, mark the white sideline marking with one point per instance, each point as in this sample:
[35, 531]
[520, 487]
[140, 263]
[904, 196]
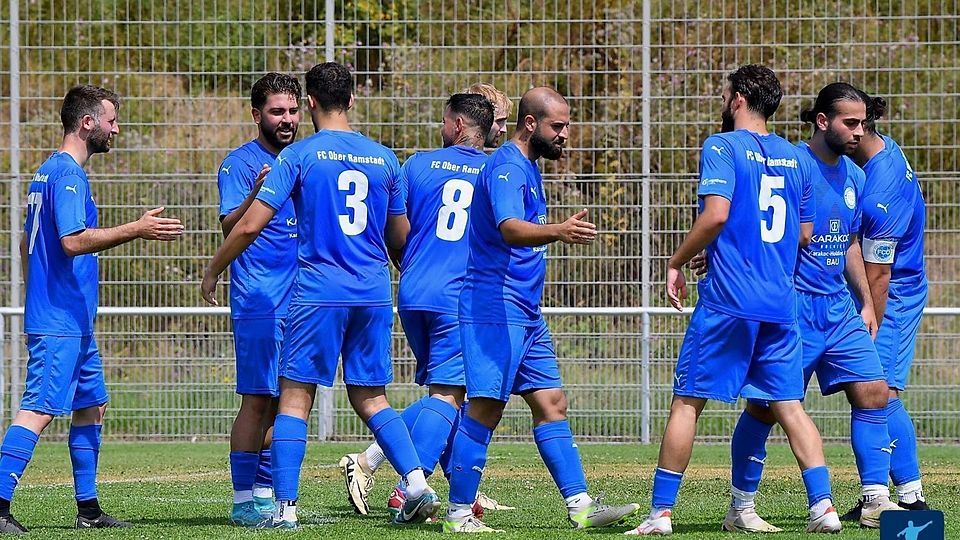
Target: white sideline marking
[157, 479]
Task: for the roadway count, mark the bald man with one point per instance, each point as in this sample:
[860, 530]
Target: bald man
[506, 344]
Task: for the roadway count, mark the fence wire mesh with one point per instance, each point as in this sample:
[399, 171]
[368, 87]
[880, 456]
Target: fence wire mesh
[184, 71]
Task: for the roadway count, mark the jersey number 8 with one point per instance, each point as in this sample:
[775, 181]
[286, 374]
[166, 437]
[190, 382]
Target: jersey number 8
[452, 218]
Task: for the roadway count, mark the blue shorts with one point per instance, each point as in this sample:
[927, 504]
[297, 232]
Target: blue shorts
[316, 337]
[836, 344]
[723, 357]
[897, 336]
[64, 374]
[435, 341]
[504, 359]
[257, 343]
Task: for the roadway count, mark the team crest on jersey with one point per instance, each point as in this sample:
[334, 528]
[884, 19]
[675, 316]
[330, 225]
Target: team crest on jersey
[834, 226]
[850, 197]
[883, 251]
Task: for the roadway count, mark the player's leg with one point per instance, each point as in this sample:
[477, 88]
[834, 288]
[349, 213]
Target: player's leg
[367, 369]
[748, 451]
[491, 357]
[712, 364]
[305, 362]
[538, 381]
[263, 483]
[902, 322]
[257, 343]
[776, 375]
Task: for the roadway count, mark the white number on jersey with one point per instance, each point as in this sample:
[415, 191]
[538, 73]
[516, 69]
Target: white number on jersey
[772, 232]
[454, 205]
[34, 202]
[357, 182]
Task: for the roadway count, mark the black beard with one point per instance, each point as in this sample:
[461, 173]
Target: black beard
[836, 146]
[544, 148]
[726, 122]
[98, 141]
[274, 139]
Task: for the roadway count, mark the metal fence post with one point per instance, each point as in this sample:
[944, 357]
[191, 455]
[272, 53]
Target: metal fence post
[645, 225]
[15, 222]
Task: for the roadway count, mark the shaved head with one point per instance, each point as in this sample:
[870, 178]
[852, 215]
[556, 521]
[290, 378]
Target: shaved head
[536, 102]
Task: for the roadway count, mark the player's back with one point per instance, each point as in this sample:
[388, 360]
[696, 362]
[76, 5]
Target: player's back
[261, 277]
[767, 181]
[62, 291]
[837, 192]
[893, 208]
[343, 185]
[439, 189]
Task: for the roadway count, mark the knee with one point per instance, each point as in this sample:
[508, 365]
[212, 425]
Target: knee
[90, 415]
[550, 407]
[870, 395]
[761, 413]
[488, 412]
[257, 406]
[367, 401]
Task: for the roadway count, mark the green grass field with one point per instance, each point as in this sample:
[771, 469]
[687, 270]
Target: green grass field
[183, 491]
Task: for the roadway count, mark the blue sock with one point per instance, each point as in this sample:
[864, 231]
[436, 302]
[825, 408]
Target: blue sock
[15, 453]
[412, 412]
[447, 451]
[243, 469]
[817, 482]
[394, 439]
[431, 431]
[666, 485]
[748, 449]
[264, 473]
[871, 445]
[468, 458]
[84, 445]
[290, 443]
[903, 442]
[555, 443]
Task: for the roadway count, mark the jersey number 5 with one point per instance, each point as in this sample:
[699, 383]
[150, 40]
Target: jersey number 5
[355, 201]
[452, 218]
[771, 231]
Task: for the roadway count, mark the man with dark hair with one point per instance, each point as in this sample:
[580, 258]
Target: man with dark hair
[836, 340]
[57, 251]
[756, 207]
[439, 189]
[507, 347]
[261, 279]
[348, 199]
[892, 237]
[501, 111]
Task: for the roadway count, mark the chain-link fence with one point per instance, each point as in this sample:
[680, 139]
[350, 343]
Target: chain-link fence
[643, 79]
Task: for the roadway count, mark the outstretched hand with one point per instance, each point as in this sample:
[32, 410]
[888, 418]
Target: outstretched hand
[577, 231]
[676, 287]
[153, 227]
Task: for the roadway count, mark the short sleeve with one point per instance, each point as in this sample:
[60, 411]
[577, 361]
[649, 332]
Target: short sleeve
[507, 183]
[398, 187]
[70, 195]
[718, 173]
[281, 180]
[808, 203]
[234, 182]
[885, 219]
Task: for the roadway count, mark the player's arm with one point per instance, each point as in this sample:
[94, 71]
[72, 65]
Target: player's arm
[878, 278]
[716, 210]
[230, 220]
[149, 227]
[856, 276]
[398, 228]
[521, 233]
[241, 236]
[881, 231]
[806, 233]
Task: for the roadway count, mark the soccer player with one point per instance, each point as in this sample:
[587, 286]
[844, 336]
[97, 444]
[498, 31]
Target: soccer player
[836, 341]
[756, 207]
[261, 279]
[892, 239]
[347, 197]
[501, 111]
[439, 188]
[507, 347]
[58, 252]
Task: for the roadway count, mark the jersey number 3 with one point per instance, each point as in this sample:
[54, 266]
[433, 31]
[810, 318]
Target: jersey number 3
[771, 231]
[452, 218]
[355, 201]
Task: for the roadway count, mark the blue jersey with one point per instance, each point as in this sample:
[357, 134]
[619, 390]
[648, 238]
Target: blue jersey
[893, 216]
[262, 276]
[769, 183]
[837, 191]
[503, 283]
[343, 185]
[439, 188]
[61, 290]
